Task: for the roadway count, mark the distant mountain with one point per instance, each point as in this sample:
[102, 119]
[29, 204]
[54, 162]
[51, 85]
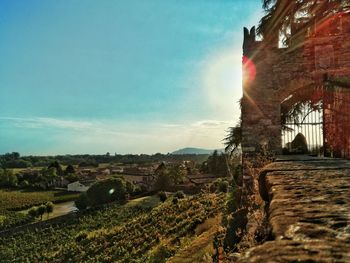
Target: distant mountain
[191, 150]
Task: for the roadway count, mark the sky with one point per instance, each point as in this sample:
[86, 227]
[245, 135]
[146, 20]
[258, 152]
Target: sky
[124, 76]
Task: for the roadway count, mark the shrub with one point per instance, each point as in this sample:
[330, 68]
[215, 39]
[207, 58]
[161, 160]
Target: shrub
[82, 235]
[24, 184]
[41, 211]
[112, 189]
[163, 182]
[223, 186]
[219, 185]
[179, 194]
[69, 169]
[71, 177]
[175, 200]
[130, 188]
[162, 196]
[236, 227]
[33, 212]
[49, 208]
[160, 254]
[82, 202]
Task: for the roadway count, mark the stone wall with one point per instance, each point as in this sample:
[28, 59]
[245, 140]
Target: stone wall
[308, 210]
[271, 74]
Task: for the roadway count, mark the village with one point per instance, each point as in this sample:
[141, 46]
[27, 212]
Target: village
[79, 179]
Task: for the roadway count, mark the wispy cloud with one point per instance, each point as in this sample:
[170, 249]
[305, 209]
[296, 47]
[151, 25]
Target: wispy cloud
[79, 136]
[40, 122]
[211, 124]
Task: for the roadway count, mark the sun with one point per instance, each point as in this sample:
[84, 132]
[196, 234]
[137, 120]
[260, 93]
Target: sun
[222, 80]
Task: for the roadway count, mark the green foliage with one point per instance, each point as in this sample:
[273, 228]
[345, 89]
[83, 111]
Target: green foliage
[109, 190]
[113, 233]
[175, 200]
[223, 186]
[18, 163]
[49, 207]
[24, 184]
[69, 169]
[50, 172]
[280, 14]
[219, 185]
[8, 178]
[161, 254]
[177, 173]
[41, 211]
[86, 160]
[82, 235]
[82, 202]
[163, 181]
[217, 164]
[237, 223]
[71, 178]
[231, 205]
[233, 139]
[33, 212]
[12, 201]
[57, 166]
[162, 196]
[130, 187]
[179, 194]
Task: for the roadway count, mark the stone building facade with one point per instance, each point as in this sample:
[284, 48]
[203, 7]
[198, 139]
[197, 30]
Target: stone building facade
[271, 74]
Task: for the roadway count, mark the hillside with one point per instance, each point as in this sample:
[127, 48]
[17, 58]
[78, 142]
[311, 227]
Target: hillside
[129, 233]
[192, 150]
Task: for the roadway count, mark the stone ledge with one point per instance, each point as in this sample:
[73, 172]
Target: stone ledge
[309, 212]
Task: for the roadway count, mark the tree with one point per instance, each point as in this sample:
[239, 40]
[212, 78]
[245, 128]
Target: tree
[163, 181]
[49, 172]
[223, 186]
[58, 167]
[177, 173]
[82, 202]
[4, 177]
[33, 212]
[69, 170]
[17, 163]
[130, 187]
[8, 178]
[49, 208]
[233, 139]
[162, 196]
[179, 194]
[213, 162]
[72, 178]
[109, 190]
[24, 184]
[217, 164]
[13, 179]
[41, 211]
[283, 16]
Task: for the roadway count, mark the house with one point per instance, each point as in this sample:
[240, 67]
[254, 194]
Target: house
[117, 170]
[142, 180]
[79, 186]
[59, 181]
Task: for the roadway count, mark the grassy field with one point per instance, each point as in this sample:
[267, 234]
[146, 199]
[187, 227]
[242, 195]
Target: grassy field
[18, 200]
[15, 200]
[134, 232]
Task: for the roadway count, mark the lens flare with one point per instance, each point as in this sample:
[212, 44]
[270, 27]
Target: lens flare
[249, 70]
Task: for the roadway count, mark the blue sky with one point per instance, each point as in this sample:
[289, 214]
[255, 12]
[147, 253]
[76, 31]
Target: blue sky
[120, 76]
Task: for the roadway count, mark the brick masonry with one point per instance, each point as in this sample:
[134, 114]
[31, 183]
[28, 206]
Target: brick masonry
[278, 72]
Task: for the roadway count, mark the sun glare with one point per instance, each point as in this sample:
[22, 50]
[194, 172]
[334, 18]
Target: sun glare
[222, 80]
